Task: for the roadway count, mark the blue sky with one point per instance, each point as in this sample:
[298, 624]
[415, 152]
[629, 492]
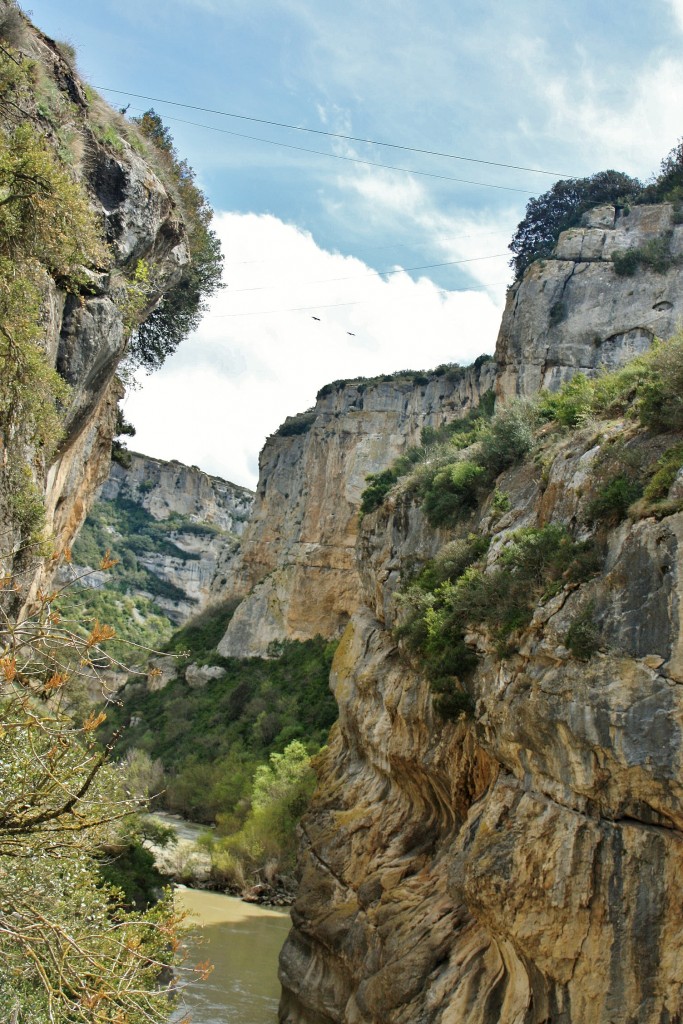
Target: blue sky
[569, 88]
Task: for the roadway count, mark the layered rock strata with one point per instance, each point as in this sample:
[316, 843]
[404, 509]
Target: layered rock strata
[523, 866]
[206, 517]
[526, 866]
[297, 563]
[574, 312]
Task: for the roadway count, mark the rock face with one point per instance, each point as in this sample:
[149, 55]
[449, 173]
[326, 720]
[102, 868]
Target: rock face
[525, 865]
[575, 313]
[84, 335]
[297, 563]
[205, 517]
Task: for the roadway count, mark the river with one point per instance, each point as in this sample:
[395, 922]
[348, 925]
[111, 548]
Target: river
[242, 941]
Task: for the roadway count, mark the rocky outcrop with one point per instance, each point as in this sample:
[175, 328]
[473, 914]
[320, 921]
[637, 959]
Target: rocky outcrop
[84, 334]
[297, 563]
[166, 489]
[524, 866]
[201, 521]
[575, 313]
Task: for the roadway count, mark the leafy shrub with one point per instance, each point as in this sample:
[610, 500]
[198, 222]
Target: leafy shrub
[583, 636]
[655, 255]
[570, 404]
[508, 437]
[611, 504]
[299, 424]
[665, 473]
[562, 207]
[661, 391]
[452, 493]
[180, 310]
[438, 611]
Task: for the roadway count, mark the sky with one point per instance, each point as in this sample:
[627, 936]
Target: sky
[345, 258]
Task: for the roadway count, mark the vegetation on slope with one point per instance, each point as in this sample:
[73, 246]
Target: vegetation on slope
[71, 949]
[465, 589]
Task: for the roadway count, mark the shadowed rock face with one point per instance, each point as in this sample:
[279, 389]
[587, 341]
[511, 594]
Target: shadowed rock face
[84, 334]
[526, 865]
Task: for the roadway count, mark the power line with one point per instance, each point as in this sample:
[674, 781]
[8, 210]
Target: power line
[349, 159]
[334, 305]
[371, 273]
[336, 135]
[439, 240]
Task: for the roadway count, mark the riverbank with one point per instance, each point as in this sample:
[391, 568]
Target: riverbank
[186, 862]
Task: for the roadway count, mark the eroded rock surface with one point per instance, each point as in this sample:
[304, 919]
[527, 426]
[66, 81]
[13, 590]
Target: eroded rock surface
[523, 867]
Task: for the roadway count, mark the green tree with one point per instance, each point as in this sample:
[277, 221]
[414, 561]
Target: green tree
[69, 950]
[561, 207]
[180, 310]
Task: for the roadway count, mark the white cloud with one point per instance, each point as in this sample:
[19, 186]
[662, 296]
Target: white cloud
[677, 9]
[258, 358]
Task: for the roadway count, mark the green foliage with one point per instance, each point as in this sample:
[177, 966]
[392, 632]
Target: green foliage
[130, 870]
[562, 207]
[665, 473]
[456, 593]
[655, 255]
[611, 504]
[508, 437]
[211, 739]
[266, 841]
[455, 435]
[649, 387]
[299, 424]
[203, 632]
[46, 228]
[70, 950]
[661, 390]
[180, 310]
[583, 636]
[379, 484]
[571, 404]
[452, 493]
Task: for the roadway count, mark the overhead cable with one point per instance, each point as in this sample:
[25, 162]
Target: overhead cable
[371, 273]
[336, 135]
[350, 159]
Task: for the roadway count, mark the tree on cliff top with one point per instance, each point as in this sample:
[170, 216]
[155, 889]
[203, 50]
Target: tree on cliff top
[179, 311]
[562, 207]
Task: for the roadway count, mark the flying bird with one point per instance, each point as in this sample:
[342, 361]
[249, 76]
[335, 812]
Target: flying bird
[351, 334]
[315, 318]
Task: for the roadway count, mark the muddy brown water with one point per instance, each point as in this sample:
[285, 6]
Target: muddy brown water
[242, 941]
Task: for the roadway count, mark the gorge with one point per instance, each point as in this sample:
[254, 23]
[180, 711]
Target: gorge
[496, 830]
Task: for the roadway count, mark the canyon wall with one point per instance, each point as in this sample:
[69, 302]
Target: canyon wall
[200, 518]
[575, 313]
[523, 864]
[297, 563]
[84, 331]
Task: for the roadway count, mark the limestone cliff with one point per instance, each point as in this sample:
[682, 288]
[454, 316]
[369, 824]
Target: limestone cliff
[525, 864]
[574, 312]
[201, 519]
[297, 563]
[84, 332]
